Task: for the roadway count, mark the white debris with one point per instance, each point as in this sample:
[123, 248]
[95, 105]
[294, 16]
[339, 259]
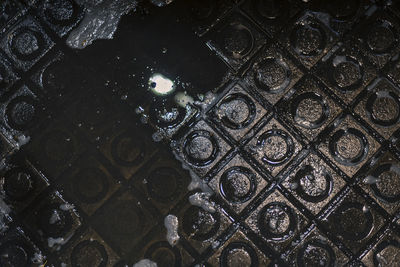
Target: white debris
[51, 242]
[371, 180]
[67, 206]
[4, 214]
[171, 223]
[145, 263]
[100, 21]
[202, 200]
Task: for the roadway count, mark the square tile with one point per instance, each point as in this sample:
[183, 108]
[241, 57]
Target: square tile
[53, 221]
[271, 15]
[89, 248]
[201, 148]
[380, 37]
[313, 183]
[21, 183]
[273, 147]
[15, 242]
[273, 74]
[308, 39]
[382, 182]
[238, 250]
[21, 113]
[235, 39]
[90, 113]
[61, 16]
[162, 181]
[122, 222]
[26, 43]
[315, 249]
[201, 228]
[237, 183]
[55, 148]
[237, 112]
[310, 109]
[348, 145]
[346, 72]
[385, 253]
[277, 221]
[89, 183]
[380, 107]
[126, 147]
[353, 221]
[158, 250]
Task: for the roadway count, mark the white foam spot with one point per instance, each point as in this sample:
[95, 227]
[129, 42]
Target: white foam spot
[202, 200]
[145, 263]
[171, 223]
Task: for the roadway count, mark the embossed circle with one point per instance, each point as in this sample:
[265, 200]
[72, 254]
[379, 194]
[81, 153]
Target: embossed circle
[348, 147]
[238, 184]
[277, 145]
[236, 111]
[309, 110]
[200, 148]
[277, 221]
[272, 75]
[89, 253]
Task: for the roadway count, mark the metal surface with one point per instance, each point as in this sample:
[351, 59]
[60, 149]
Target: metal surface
[298, 134]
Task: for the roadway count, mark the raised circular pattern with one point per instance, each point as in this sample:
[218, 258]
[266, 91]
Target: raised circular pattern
[165, 255]
[89, 253]
[381, 37]
[128, 150]
[236, 111]
[61, 12]
[18, 184]
[54, 221]
[238, 254]
[348, 146]
[308, 39]
[200, 148]
[200, 224]
[313, 185]
[21, 112]
[238, 184]
[383, 108]
[90, 185]
[272, 75]
[347, 73]
[277, 146]
[236, 40]
[27, 44]
[277, 221]
[352, 221]
[164, 184]
[316, 253]
[309, 110]
[387, 186]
